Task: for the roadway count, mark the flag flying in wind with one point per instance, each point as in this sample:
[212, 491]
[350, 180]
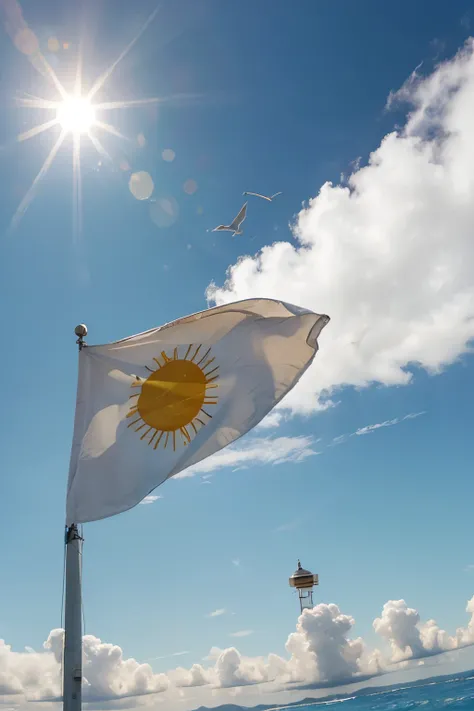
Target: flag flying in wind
[151, 405]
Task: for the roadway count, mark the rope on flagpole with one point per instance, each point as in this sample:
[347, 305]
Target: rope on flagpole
[62, 614]
[81, 533]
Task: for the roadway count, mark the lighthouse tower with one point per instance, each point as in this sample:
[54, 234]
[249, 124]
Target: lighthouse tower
[304, 581]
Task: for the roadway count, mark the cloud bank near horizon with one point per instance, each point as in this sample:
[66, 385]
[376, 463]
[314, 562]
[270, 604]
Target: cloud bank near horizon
[320, 652]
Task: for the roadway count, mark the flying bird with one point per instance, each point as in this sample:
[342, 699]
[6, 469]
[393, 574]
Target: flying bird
[235, 224]
[264, 197]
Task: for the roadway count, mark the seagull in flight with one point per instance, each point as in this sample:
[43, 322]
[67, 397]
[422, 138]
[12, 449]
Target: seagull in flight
[264, 197]
[235, 224]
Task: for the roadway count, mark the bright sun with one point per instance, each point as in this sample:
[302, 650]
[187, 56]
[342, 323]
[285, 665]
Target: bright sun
[76, 115]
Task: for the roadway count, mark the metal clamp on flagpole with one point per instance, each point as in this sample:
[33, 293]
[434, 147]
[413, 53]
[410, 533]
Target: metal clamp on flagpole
[72, 534]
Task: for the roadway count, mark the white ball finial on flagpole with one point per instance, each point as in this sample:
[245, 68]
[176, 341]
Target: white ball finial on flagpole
[81, 333]
[81, 330]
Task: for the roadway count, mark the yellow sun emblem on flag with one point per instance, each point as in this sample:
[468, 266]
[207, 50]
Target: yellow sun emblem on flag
[171, 400]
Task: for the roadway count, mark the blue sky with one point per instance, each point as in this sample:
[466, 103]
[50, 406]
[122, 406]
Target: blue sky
[261, 97]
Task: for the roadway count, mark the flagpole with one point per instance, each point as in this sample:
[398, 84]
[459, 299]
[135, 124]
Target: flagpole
[72, 662]
[72, 665]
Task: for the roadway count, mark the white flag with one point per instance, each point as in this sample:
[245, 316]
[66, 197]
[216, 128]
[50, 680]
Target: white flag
[151, 405]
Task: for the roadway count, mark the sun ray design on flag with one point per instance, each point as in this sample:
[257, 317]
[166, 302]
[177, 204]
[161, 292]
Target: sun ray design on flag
[76, 114]
[176, 397]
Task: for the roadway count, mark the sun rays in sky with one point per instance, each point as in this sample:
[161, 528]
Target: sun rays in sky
[77, 114]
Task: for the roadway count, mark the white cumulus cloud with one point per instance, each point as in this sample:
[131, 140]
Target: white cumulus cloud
[322, 651]
[254, 451]
[410, 638]
[273, 419]
[107, 674]
[388, 256]
[465, 635]
[196, 676]
[150, 499]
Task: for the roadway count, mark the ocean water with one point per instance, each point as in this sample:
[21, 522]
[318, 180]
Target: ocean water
[450, 693]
